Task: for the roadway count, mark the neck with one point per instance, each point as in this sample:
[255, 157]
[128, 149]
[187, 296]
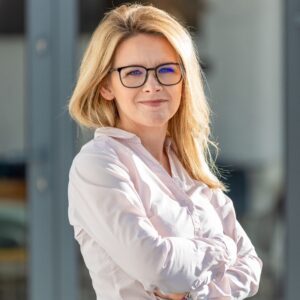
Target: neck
[152, 138]
[154, 143]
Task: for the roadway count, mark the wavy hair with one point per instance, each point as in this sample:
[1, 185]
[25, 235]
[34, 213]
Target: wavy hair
[189, 128]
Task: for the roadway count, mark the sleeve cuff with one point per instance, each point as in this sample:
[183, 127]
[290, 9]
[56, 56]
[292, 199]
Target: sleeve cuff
[230, 246]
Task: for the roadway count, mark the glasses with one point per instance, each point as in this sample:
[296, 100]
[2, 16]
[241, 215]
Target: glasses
[135, 76]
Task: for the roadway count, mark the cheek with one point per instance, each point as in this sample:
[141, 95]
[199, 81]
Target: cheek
[124, 96]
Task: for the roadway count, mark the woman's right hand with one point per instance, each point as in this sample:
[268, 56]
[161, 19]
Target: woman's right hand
[178, 296]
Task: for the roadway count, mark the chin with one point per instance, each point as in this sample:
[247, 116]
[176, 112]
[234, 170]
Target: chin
[155, 123]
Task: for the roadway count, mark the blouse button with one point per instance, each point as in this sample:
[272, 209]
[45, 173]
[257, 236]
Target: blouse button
[197, 223]
[196, 220]
[190, 207]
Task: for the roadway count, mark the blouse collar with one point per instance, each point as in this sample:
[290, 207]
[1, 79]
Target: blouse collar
[123, 134]
[117, 133]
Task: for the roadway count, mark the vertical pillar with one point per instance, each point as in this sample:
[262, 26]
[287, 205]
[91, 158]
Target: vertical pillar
[51, 32]
[292, 75]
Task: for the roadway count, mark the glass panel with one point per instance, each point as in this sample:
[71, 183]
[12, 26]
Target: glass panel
[13, 202]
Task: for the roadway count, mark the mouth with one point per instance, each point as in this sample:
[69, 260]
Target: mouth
[154, 102]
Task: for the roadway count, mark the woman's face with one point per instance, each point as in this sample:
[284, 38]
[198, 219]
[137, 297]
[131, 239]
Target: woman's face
[152, 104]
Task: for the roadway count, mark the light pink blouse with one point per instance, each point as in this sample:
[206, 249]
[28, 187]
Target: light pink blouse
[140, 229]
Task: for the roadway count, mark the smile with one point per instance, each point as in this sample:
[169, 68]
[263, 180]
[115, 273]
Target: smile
[153, 103]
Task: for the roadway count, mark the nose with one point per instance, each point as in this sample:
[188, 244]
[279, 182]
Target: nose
[151, 84]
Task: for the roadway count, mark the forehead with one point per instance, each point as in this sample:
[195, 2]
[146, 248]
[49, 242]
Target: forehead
[144, 49]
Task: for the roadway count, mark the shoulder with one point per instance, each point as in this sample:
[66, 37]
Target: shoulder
[98, 157]
[219, 198]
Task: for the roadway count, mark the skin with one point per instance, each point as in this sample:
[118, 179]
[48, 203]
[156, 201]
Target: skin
[169, 296]
[148, 121]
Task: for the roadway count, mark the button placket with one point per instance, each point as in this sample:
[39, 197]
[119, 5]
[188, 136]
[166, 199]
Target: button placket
[196, 220]
[172, 186]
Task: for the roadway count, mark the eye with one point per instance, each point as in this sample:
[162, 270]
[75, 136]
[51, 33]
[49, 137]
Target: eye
[134, 72]
[167, 69]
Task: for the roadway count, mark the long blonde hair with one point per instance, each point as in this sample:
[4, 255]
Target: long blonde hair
[189, 128]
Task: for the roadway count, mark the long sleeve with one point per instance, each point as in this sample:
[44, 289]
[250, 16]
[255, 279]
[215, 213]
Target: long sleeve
[105, 204]
[241, 280]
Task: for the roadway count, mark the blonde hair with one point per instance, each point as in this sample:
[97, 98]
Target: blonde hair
[189, 128]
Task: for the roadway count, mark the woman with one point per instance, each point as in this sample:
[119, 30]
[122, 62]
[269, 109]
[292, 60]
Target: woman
[151, 218]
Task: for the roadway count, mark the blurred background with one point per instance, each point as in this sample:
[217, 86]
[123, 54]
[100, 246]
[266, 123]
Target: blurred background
[249, 52]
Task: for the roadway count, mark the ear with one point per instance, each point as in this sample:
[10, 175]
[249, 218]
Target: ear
[106, 90]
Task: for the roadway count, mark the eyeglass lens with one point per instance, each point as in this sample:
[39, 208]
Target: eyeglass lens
[134, 76]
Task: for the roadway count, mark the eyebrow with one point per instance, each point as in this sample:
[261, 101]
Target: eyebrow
[141, 65]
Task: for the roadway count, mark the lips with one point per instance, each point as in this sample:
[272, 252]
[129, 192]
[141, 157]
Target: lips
[153, 103]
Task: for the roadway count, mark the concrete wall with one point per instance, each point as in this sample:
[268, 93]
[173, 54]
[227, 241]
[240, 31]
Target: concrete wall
[243, 41]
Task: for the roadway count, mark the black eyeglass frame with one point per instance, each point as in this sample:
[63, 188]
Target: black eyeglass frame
[147, 73]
